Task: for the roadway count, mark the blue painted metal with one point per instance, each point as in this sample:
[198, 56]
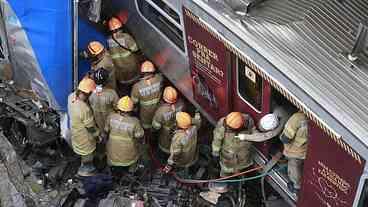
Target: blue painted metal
[48, 25]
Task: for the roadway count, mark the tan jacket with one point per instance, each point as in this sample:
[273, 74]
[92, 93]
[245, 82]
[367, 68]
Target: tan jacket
[125, 61]
[147, 92]
[124, 132]
[106, 62]
[164, 120]
[296, 130]
[235, 154]
[184, 150]
[81, 119]
[102, 104]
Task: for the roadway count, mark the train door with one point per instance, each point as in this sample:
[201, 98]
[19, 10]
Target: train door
[250, 93]
[332, 171]
[362, 200]
[210, 69]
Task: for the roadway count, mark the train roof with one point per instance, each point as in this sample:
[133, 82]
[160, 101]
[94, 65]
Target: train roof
[307, 40]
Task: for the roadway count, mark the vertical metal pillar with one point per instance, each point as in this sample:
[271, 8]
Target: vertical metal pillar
[75, 43]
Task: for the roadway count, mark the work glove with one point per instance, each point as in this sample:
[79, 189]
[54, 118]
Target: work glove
[216, 158]
[241, 137]
[197, 115]
[167, 169]
[102, 138]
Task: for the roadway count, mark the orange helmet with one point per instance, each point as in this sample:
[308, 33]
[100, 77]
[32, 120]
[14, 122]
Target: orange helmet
[86, 85]
[125, 104]
[114, 24]
[95, 48]
[170, 95]
[234, 120]
[147, 67]
[183, 120]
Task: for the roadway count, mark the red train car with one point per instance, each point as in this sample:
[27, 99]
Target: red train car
[256, 56]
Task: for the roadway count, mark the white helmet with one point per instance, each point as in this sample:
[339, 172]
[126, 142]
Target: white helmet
[268, 122]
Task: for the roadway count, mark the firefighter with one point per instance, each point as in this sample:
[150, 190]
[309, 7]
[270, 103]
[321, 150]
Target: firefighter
[103, 99]
[147, 92]
[102, 102]
[124, 132]
[84, 131]
[124, 54]
[164, 119]
[183, 149]
[295, 139]
[101, 58]
[233, 153]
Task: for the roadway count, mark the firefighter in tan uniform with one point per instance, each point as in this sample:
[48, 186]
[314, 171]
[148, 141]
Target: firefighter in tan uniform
[233, 153]
[183, 149]
[295, 139]
[124, 54]
[83, 127]
[124, 132]
[147, 92]
[164, 118]
[103, 99]
[102, 102]
[101, 58]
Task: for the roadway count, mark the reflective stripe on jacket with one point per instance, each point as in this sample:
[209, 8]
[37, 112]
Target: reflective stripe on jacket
[81, 119]
[102, 104]
[148, 94]
[164, 120]
[296, 130]
[124, 132]
[184, 150]
[126, 62]
[235, 154]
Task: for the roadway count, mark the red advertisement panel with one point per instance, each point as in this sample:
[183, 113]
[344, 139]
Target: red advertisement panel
[331, 172]
[207, 59]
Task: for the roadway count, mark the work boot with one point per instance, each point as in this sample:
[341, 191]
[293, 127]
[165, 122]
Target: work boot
[86, 170]
[291, 187]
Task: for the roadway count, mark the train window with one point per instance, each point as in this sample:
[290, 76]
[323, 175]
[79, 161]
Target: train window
[173, 14]
[363, 202]
[249, 85]
[164, 19]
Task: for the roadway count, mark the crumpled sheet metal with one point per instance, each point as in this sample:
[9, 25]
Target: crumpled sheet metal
[26, 69]
[9, 196]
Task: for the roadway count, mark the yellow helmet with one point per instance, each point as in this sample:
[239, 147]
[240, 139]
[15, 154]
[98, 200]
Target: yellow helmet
[183, 120]
[125, 104]
[170, 95]
[86, 85]
[114, 24]
[147, 67]
[235, 120]
[95, 48]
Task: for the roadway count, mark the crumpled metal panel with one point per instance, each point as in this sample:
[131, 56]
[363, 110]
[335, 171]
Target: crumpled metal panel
[26, 69]
[307, 40]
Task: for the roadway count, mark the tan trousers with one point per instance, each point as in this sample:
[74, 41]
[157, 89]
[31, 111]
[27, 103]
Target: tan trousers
[295, 171]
